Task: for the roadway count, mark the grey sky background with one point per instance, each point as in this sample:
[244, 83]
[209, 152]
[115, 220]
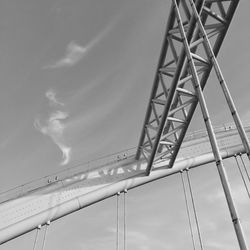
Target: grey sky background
[75, 78]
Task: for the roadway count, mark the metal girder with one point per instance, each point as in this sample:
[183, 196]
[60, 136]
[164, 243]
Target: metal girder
[215, 148]
[173, 98]
[26, 207]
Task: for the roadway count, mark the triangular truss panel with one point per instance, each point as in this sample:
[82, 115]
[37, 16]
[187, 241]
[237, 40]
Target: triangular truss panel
[194, 34]
[174, 97]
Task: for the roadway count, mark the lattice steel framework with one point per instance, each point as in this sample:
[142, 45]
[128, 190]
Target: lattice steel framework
[173, 98]
[195, 32]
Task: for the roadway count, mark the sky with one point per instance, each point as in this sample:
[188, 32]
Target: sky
[75, 78]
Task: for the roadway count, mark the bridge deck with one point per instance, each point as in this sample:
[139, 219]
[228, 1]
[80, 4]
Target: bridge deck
[21, 213]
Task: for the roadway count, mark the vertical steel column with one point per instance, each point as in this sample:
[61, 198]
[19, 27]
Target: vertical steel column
[211, 134]
[222, 82]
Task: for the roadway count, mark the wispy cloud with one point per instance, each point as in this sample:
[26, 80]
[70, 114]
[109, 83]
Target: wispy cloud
[74, 53]
[51, 95]
[54, 127]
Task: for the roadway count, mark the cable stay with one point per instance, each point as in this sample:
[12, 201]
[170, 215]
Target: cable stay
[36, 237]
[124, 219]
[245, 168]
[187, 208]
[194, 209]
[242, 176]
[185, 191]
[118, 218]
[44, 235]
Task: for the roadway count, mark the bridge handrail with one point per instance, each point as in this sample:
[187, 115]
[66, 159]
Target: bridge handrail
[66, 173]
[201, 133]
[95, 164]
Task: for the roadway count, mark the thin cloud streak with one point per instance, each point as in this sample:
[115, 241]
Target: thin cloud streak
[54, 127]
[75, 52]
[51, 95]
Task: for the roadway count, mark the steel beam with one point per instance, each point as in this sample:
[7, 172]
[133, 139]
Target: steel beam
[216, 47]
[25, 211]
[211, 134]
[167, 102]
[222, 82]
[72, 205]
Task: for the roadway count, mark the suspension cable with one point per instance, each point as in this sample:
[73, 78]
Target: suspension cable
[242, 176]
[187, 208]
[117, 220]
[245, 168]
[36, 237]
[195, 212]
[45, 233]
[124, 218]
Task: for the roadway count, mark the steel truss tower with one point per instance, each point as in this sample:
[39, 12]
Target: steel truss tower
[194, 34]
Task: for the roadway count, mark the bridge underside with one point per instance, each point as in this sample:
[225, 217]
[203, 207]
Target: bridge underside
[25, 211]
[194, 35]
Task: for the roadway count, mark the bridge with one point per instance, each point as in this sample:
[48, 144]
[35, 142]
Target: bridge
[194, 34]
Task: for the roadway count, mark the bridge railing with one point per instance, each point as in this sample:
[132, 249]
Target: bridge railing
[67, 173]
[202, 133]
[94, 165]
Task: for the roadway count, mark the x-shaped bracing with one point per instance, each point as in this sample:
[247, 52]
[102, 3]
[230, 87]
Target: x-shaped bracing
[174, 98]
